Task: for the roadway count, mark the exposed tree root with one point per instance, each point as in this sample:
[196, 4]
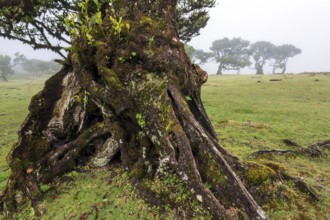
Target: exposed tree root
[261, 153]
[243, 199]
[63, 158]
[291, 143]
[314, 150]
[302, 186]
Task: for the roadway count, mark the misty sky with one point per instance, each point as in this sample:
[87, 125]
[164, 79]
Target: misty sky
[303, 23]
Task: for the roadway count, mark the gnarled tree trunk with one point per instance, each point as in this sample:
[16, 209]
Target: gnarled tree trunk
[220, 69]
[259, 69]
[132, 92]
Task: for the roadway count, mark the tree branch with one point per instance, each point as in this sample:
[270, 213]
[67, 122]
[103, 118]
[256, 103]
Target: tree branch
[9, 3]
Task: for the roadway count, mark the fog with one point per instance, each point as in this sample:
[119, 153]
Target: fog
[303, 23]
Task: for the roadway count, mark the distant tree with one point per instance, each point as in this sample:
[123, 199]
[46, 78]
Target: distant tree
[197, 56]
[40, 67]
[236, 62]
[231, 54]
[5, 67]
[281, 54]
[53, 67]
[261, 51]
[7, 64]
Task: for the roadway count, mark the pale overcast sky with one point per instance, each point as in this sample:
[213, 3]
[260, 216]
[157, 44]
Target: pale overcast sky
[303, 23]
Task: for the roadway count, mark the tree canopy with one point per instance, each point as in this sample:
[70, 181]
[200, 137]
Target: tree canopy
[281, 54]
[236, 53]
[192, 16]
[197, 56]
[42, 25]
[261, 51]
[231, 54]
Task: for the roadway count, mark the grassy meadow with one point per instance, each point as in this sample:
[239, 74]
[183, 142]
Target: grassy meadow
[15, 97]
[249, 113]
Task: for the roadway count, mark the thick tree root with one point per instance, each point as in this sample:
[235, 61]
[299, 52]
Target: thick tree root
[242, 197]
[63, 158]
[302, 186]
[314, 150]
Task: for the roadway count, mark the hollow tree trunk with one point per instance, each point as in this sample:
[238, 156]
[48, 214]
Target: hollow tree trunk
[134, 92]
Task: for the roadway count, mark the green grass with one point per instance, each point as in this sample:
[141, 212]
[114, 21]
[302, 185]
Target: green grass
[15, 97]
[251, 113]
[262, 114]
[92, 195]
[248, 115]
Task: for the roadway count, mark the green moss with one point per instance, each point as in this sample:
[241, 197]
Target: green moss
[277, 167]
[215, 174]
[35, 147]
[145, 20]
[100, 44]
[256, 174]
[170, 125]
[110, 76]
[102, 51]
[38, 147]
[19, 164]
[74, 56]
[174, 192]
[211, 171]
[137, 172]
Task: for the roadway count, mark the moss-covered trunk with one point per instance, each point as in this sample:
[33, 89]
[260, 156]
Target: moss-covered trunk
[129, 91]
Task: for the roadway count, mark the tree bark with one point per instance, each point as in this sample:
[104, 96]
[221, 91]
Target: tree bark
[259, 69]
[284, 68]
[259, 66]
[134, 92]
[219, 72]
[274, 69]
